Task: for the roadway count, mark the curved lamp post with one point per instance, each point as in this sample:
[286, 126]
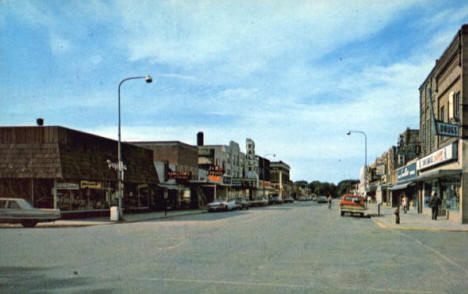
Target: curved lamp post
[365, 156]
[264, 175]
[120, 168]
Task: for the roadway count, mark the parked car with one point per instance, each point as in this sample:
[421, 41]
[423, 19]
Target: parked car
[274, 200]
[242, 203]
[18, 210]
[305, 198]
[322, 199]
[259, 202]
[289, 200]
[352, 204]
[222, 204]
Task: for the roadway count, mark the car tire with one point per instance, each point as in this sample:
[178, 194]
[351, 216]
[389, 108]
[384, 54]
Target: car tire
[29, 223]
[342, 213]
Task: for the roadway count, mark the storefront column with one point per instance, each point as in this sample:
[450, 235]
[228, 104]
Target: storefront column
[54, 191]
[463, 151]
[464, 198]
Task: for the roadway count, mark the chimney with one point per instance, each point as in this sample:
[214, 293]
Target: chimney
[200, 139]
[40, 122]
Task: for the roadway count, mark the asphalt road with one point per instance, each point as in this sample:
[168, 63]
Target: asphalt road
[292, 248]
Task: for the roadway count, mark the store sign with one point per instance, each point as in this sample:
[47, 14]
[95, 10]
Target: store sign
[67, 186]
[179, 175]
[380, 169]
[217, 179]
[449, 152]
[215, 170]
[115, 165]
[91, 185]
[445, 129]
[406, 172]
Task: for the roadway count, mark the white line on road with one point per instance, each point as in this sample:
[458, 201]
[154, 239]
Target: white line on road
[444, 257]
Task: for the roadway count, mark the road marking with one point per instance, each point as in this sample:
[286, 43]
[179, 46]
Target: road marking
[441, 255]
[384, 226]
[278, 285]
[181, 241]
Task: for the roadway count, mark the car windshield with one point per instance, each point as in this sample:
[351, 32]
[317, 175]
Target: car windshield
[354, 199]
[22, 204]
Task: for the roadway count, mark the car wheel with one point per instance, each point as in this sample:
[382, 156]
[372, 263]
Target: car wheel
[361, 214]
[342, 213]
[29, 223]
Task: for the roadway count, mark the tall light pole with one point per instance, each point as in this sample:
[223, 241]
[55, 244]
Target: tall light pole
[365, 156]
[264, 157]
[120, 168]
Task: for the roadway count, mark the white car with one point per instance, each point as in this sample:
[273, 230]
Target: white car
[18, 210]
[222, 204]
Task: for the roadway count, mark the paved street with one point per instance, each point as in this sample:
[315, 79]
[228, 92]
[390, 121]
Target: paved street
[293, 248]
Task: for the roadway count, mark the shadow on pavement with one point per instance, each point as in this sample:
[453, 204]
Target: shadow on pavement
[23, 279]
[204, 217]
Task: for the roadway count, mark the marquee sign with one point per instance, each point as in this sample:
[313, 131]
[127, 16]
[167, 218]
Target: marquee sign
[179, 175]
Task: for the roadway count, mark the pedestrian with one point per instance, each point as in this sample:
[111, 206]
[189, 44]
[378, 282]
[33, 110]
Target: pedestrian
[405, 203]
[397, 214]
[329, 199]
[434, 204]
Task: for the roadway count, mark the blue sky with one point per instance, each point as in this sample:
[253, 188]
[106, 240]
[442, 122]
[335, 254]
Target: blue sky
[294, 76]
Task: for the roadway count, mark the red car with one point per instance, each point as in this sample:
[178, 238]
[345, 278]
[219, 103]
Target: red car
[352, 204]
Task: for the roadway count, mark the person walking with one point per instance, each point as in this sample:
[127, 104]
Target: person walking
[397, 214]
[434, 204]
[329, 199]
[404, 203]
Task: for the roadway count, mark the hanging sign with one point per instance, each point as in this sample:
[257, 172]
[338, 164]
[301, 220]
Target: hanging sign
[446, 129]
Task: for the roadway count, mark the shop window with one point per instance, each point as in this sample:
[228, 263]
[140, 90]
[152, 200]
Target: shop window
[451, 197]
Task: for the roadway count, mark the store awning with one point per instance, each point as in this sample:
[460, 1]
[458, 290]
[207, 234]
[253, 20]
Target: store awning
[400, 186]
[441, 173]
[172, 187]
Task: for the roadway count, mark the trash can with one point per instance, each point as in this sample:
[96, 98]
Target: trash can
[114, 213]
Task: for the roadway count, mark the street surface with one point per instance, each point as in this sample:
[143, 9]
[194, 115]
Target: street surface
[294, 248]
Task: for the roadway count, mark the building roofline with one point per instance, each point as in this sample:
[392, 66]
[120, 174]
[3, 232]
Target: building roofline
[463, 28]
[162, 143]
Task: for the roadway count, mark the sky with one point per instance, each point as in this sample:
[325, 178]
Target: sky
[294, 76]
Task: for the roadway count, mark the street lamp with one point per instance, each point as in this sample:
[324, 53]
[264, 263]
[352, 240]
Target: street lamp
[365, 156]
[120, 169]
[264, 176]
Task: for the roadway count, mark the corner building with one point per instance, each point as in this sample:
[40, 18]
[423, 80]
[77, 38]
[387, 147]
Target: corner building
[443, 164]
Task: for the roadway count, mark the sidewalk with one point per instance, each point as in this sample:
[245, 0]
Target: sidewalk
[128, 218]
[412, 221]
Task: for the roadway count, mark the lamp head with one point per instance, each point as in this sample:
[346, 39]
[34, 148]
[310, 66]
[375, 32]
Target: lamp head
[348, 133]
[148, 79]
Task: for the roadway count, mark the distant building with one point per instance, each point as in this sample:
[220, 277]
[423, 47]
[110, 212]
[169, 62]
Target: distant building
[279, 176]
[177, 165]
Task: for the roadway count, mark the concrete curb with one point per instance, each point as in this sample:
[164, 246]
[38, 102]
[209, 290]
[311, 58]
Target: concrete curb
[70, 223]
[400, 227]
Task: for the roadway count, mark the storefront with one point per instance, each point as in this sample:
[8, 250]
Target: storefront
[56, 167]
[441, 172]
[406, 186]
